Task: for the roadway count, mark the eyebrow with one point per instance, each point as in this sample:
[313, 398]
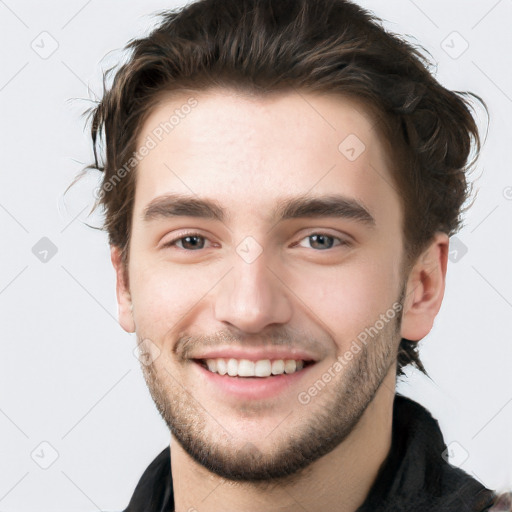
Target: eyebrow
[333, 205]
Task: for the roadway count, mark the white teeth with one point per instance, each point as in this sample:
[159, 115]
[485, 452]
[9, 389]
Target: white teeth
[277, 367]
[222, 367]
[246, 368]
[232, 367]
[212, 365]
[262, 368]
[290, 366]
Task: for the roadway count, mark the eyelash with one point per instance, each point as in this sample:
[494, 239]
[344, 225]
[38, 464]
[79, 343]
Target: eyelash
[342, 241]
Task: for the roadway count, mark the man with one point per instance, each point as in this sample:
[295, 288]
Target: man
[281, 179]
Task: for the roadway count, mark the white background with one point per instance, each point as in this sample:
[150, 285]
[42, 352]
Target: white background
[68, 376]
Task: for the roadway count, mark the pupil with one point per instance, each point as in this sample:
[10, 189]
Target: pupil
[188, 239]
[322, 238]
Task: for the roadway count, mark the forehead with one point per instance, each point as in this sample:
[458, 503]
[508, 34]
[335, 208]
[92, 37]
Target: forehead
[246, 150]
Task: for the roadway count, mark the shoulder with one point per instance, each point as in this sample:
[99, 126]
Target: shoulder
[502, 503]
[154, 487]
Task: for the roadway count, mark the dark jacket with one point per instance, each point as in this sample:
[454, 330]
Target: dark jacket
[414, 478]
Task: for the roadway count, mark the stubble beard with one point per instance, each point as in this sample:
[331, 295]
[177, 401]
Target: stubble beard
[330, 419]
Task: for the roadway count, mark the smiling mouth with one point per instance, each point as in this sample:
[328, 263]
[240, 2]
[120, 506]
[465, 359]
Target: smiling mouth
[246, 368]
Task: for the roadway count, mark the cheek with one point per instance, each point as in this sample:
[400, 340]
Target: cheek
[349, 298]
[164, 294]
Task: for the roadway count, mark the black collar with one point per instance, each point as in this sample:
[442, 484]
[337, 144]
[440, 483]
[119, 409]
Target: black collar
[414, 477]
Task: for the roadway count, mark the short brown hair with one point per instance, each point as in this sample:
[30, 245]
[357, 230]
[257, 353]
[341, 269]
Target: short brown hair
[267, 46]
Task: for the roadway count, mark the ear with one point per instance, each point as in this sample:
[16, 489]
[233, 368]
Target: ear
[124, 300]
[425, 289]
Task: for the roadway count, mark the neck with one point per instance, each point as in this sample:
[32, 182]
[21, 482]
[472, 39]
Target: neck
[338, 481]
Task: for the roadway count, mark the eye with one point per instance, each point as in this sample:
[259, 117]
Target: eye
[322, 241]
[188, 242]
[194, 241]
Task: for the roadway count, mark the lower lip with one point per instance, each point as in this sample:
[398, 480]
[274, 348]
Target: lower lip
[253, 388]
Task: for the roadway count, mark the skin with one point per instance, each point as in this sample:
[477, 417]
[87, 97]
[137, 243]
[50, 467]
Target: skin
[247, 153]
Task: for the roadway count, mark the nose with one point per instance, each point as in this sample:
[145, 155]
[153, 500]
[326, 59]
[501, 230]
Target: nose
[253, 296]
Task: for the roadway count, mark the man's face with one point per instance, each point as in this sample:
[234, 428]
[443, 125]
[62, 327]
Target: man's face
[258, 285]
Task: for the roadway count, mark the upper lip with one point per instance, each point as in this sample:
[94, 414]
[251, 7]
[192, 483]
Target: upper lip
[256, 354]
